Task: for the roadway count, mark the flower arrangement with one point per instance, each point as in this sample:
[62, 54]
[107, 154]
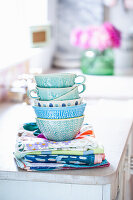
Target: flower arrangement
[97, 37]
[98, 42]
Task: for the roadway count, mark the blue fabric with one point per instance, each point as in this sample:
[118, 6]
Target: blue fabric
[64, 159]
[55, 166]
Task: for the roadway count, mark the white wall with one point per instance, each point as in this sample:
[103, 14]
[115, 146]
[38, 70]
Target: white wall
[42, 62]
[123, 20]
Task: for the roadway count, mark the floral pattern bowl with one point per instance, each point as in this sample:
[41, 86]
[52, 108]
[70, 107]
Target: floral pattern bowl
[64, 103]
[60, 129]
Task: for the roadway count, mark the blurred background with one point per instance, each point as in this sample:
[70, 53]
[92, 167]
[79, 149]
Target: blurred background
[35, 38]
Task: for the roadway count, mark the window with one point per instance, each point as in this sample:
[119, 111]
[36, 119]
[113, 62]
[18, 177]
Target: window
[16, 16]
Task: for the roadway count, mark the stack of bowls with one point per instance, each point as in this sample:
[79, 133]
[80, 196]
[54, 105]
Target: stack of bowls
[58, 106]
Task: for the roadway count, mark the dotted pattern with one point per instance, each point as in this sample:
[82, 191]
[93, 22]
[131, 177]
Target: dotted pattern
[60, 113]
[60, 130]
[60, 104]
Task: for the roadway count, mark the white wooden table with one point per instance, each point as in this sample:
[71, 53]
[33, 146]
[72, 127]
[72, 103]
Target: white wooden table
[112, 122]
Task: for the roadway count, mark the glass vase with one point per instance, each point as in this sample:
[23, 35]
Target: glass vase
[95, 62]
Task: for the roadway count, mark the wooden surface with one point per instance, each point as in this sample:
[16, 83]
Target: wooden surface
[58, 191]
[107, 87]
[112, 122]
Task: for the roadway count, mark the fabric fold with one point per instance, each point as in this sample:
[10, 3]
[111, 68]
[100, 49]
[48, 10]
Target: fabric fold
[55, 166]
[33, 152]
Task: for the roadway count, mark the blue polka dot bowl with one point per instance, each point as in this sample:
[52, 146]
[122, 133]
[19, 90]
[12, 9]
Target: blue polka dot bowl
[60, 112]
[60, 129]
[64, 103]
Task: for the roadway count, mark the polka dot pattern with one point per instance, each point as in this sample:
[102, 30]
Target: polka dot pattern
[66, 103]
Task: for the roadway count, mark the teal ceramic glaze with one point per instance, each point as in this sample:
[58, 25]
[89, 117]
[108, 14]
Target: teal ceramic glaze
[57, 80]
[47, 94]
[60, 129]
[73, 94]
[30, 126]
[59, 112]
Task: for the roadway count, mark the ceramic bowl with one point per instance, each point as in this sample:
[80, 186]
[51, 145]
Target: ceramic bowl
[60, 129]
[47, 94]
[64, 103]
[59, 80]
[73, 94]
[60, 112]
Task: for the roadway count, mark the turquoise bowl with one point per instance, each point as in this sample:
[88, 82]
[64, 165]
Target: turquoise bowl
[47, 94]
[59, 80]
[59, 113]
[60, 129]
[73, 94]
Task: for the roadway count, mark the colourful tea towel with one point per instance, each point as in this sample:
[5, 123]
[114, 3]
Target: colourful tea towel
[66, 159]
[84, 144]
[55, 166]
[35, 153]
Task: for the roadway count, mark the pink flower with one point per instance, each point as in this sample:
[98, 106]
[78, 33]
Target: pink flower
[75, 37]
[100, 39]
[84, 40]
[97, 37]
[115, 35]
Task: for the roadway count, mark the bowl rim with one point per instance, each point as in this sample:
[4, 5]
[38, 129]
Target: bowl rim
[60, 101]
[58, 88]
[37, 118]
[60, 108]
[55, 74]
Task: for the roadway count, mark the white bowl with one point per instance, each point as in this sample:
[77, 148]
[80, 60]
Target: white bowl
[64, 103]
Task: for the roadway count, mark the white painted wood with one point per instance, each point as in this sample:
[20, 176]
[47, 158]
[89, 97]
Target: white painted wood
[106, 192]
[122, 179]
[86, 192]
[112, 122]
[107, 87]
[111, 127]
[14, 190]
[115, 187]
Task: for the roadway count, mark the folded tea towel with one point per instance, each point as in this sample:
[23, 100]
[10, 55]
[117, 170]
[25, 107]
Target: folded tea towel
[55, 166]
[66, 159]
[35, 153]
[84, 144]
[42, 144]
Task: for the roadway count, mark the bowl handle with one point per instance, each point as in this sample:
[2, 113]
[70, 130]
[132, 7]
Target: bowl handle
[84, 78]
[84, 87]
[35, 91]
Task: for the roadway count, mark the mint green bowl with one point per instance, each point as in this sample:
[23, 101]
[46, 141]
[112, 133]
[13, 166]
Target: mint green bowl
[60, 129]
[47, 94]
[58, 80]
